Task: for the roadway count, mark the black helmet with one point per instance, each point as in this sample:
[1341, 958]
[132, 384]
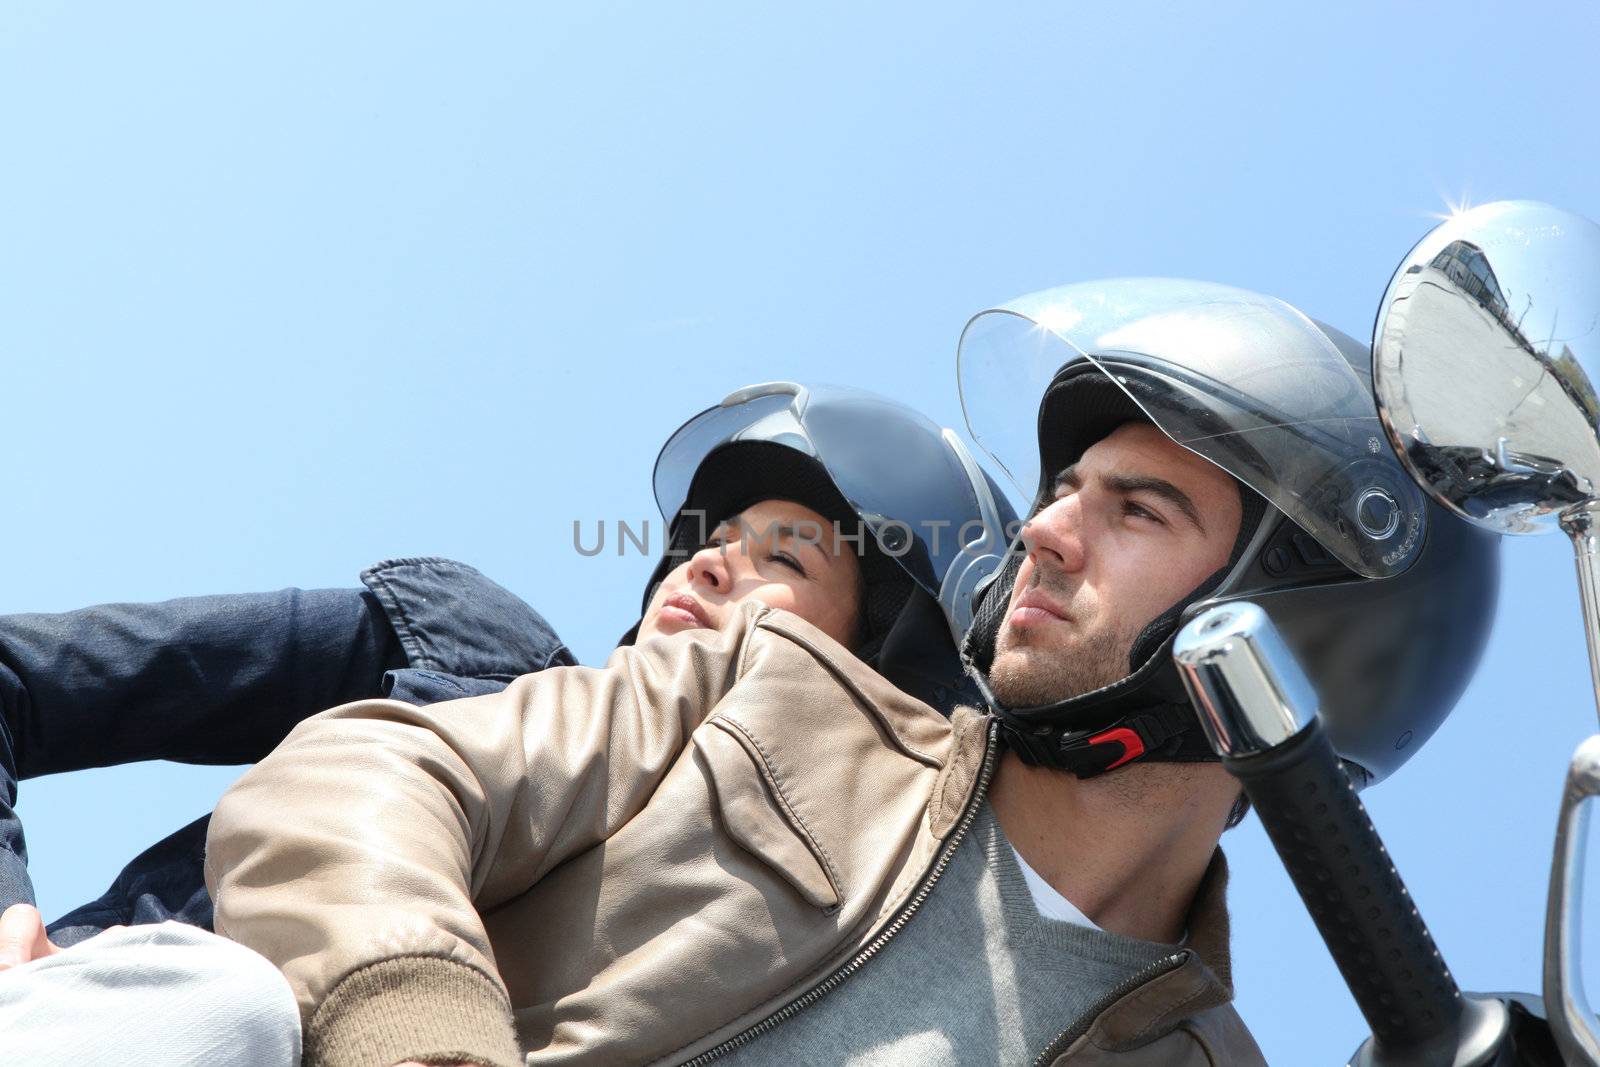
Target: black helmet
[1386, 598]
[929, 523]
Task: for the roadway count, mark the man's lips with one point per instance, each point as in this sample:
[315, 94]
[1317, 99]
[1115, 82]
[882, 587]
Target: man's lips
[1033, 608]
[684, 609]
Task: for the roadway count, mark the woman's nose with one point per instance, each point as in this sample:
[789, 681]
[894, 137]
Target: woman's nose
[709, 568]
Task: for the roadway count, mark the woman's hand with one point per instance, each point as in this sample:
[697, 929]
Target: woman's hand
[22, 937]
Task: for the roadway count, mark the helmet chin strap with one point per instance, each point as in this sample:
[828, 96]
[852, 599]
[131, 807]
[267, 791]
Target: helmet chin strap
[1145, 716]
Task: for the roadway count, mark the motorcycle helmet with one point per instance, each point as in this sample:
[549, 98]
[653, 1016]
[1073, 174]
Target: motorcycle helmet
[1385, 598]
[928, 523]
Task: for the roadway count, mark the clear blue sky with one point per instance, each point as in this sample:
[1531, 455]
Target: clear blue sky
[291, 288]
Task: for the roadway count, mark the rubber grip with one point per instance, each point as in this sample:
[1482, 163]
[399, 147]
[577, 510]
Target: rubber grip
[1354, 894]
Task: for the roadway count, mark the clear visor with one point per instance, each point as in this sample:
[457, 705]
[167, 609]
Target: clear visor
[1241, 379]
[895, 467]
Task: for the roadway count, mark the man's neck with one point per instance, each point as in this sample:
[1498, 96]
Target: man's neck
[1127, 848]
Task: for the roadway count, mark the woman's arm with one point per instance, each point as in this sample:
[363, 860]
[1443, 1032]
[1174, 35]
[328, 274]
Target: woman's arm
[217, 679]
[358, 855]
[212, 679]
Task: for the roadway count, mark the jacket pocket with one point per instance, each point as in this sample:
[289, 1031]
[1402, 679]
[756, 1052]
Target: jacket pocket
[756, 814]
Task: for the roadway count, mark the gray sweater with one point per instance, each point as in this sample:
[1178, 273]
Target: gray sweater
[977, 977]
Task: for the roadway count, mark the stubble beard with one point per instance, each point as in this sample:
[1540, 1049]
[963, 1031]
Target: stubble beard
[1033, 667]
[1030, 670]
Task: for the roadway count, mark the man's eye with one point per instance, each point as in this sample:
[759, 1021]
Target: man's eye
[1138, 510]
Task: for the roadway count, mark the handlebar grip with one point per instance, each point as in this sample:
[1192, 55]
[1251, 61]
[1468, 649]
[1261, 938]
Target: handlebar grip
[1353, 892]
[1259, 712]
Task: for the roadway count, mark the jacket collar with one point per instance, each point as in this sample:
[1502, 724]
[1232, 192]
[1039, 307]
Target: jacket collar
[1203, 980]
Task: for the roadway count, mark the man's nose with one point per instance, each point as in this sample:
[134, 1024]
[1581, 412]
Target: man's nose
[1056, 535]
[708, 568]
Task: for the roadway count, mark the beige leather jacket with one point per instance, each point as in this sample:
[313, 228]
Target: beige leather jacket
[649, 863]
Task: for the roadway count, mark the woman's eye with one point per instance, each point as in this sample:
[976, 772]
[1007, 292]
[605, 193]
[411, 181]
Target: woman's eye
[788, 561]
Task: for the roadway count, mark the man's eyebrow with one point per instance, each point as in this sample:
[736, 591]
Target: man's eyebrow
[1141, 483]
[1069, 478]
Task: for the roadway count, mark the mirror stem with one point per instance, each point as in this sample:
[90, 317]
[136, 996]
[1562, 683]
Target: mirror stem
[1571, 1020]
[1582, 524]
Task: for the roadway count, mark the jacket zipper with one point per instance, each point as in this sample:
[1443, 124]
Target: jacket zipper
[1081, 1027]
[828, 984]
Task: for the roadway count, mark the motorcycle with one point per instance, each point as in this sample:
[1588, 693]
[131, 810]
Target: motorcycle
[1500, 427]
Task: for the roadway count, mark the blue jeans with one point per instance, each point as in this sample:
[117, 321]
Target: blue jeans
[221, 680]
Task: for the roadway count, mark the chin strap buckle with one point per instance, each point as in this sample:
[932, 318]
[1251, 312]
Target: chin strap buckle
[1129, 739]
[1132, 744]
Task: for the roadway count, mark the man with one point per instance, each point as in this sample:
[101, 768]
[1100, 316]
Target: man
[1135, 523]
[742, 844]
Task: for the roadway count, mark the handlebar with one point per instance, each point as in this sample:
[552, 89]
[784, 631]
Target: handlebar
[1259, 713]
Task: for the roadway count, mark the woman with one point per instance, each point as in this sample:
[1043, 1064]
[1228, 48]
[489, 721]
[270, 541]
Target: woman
[888, 489]
[853, 512]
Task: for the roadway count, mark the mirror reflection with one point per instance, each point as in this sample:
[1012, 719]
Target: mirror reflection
[1486, 352]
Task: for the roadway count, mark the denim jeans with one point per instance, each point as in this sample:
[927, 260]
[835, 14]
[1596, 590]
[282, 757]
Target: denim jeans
[223, 679]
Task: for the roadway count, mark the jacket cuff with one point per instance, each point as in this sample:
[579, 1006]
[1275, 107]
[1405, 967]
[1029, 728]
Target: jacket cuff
[413, 1008]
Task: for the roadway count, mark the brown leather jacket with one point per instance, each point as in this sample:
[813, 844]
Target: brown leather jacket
[647, 863]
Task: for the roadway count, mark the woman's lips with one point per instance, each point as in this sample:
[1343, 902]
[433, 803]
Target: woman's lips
[684, 610]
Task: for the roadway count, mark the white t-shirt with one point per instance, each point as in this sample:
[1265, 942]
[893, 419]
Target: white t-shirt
[1051, 904]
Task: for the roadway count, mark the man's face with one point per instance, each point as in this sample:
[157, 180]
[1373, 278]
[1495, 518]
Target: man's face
[778, 552]
[1137, 523]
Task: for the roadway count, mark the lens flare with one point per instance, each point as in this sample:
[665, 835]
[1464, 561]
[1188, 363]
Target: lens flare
[1455, 207]
[1059, 320]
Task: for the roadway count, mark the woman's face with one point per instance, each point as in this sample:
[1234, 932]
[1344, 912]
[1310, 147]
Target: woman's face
[778, 552]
